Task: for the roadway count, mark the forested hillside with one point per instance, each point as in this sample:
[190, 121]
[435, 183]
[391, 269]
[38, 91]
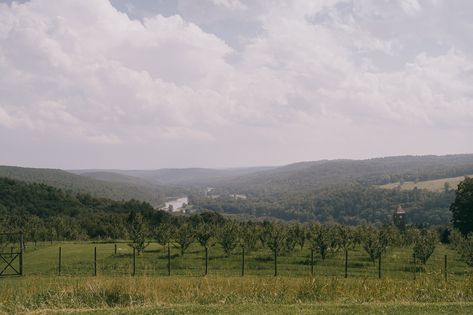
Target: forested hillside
[303, 177]
[192, 177]
[347, 204]
[344, 191]
[306, 177]
[116, 178]
[80, 184]
[44, 212]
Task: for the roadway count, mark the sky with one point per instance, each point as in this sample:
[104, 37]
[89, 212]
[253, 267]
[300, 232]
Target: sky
[146, 84]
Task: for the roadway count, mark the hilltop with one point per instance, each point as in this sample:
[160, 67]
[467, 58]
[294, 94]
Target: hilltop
[75, 184]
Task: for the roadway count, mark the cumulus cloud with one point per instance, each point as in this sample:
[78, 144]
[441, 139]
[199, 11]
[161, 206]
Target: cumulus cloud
[311, 76]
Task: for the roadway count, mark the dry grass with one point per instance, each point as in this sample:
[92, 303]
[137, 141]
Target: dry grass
[39, 293]
[436, 185]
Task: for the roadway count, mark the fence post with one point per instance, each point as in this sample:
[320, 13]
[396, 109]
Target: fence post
[415, 267]
[379, 266]
[346, 263]
[445, 268]
[22, 247]
[115, 249]
[95, 261]
[169, 259]
[11, 251]
[206, 260]
[242, 261]
[134, 262]
[59, 260]
[312, 262]
[275, 263]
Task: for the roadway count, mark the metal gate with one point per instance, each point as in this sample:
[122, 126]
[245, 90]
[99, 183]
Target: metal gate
[11, 254]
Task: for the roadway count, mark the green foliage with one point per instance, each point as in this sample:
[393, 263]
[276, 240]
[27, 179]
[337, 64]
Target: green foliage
[47, 213]
[465, 249]
[249, 235]
[204, 233]
[424, 244]
[164, 232]
[138, 232]
[455, 239]
[462, 207]
[346, 236]
[228, 236]
[184, 237]
[324, 239]
[349, 204]
[75, 184]
[275, 235]
[299, 233]
[375, 241]
[306, 177]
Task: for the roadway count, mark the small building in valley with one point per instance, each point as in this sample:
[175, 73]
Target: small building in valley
[399, 218]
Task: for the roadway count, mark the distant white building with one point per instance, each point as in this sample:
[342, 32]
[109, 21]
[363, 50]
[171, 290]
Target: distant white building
[237, 196]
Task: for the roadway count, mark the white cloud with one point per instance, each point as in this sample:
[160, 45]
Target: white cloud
[82, 71]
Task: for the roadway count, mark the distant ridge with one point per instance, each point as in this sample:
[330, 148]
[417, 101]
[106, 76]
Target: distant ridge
[306, 176]
[297, 178]
[81, 184]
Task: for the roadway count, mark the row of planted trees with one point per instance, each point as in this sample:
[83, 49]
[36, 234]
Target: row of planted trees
[280, 238]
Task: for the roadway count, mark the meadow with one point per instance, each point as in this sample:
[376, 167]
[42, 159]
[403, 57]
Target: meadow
[403, 287]
[77, 259]
[435, 185]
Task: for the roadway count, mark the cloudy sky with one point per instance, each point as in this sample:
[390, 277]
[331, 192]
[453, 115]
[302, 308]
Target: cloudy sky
[217, 83]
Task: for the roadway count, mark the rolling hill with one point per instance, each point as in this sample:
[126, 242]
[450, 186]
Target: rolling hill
[82, 184]
[309, 176]
[187, 177]
[297, 178]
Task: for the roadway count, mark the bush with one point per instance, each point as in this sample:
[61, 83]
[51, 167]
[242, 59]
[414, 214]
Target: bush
[466, 249]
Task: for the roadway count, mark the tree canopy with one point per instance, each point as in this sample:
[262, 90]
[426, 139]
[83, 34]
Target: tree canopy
[462, 207]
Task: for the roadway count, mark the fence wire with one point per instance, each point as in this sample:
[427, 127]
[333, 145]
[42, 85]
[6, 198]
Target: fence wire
[117, 259]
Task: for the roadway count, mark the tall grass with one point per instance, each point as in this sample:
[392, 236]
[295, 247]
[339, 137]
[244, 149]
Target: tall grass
[36, 293]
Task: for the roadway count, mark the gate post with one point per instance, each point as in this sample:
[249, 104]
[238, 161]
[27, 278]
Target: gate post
[22, 246]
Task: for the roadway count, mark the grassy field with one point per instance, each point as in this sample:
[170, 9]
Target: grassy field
[78, 260]
[231, 295]
[436, 185]
[224, 291]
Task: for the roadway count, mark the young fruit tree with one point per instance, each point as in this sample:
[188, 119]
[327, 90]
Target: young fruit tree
[324, 239]
[248, 236]
[276, 235]
[346, 237]
[228, 236]
[424, 245]
[374, 241]
[300, 234]
[184, 237]
[163, 233]
[138, 231]
[204, 233]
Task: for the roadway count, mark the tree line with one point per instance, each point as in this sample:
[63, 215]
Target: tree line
[350, 204]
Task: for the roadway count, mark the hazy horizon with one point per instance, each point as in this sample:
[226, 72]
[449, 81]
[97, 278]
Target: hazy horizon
[231, 167]
[122, 84]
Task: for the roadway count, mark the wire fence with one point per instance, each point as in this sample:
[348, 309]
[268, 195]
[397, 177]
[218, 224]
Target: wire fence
[119, 259]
